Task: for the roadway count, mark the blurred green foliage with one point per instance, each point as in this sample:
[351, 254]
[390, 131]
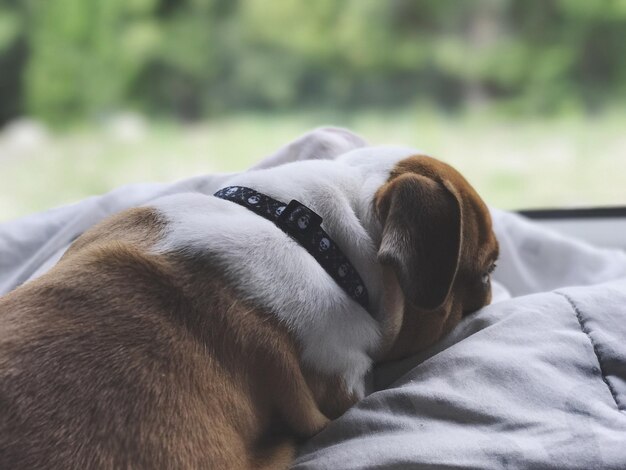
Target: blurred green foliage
[69, 60]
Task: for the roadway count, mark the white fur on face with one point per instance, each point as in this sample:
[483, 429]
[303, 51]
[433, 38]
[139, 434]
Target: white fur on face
[271, 270]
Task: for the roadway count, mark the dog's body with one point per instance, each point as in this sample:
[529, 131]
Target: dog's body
[193, 333]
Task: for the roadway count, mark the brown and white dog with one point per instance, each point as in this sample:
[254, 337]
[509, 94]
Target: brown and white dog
[193, 333]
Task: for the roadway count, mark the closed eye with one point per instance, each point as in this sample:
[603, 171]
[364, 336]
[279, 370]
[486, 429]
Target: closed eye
[487, 275]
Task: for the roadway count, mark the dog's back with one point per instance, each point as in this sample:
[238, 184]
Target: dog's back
[144, 378]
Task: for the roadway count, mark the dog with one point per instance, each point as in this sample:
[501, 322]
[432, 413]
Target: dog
[195, 333]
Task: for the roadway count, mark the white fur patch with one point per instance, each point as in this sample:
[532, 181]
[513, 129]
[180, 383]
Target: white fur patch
[336, 334]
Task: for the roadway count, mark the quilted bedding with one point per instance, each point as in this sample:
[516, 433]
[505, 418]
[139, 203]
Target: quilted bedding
[536, 380]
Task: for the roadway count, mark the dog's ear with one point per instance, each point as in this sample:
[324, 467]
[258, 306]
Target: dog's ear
[421, 238]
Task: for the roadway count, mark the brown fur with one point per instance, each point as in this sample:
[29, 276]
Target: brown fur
[119, 358]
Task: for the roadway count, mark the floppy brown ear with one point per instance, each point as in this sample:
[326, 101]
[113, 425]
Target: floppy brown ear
[421, 238]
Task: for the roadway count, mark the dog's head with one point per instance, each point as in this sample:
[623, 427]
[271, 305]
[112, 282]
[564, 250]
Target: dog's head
[437, 251]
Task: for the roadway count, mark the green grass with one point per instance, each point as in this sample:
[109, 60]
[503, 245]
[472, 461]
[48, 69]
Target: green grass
[513, 163]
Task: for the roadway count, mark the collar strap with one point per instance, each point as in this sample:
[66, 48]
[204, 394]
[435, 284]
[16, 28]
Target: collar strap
[304, 226]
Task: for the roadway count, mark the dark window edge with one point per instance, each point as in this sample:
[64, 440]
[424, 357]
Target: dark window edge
[575, 213]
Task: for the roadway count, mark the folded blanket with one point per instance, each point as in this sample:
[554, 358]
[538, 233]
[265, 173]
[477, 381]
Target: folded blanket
[535, 382]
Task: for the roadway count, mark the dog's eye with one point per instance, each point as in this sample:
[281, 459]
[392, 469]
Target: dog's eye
[487, 276]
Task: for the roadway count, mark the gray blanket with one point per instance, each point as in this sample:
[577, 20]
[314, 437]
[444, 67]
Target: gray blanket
[534, 382]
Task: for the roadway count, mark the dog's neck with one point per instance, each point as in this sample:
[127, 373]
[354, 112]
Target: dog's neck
[337, 336]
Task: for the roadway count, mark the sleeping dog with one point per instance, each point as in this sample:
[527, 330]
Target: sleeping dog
[208, 331]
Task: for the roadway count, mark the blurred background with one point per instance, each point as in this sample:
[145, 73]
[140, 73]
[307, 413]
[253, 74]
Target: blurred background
[526, 97]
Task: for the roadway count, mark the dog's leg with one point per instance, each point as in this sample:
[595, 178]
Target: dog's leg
[299, 411]
[296, 404]
[323, 143]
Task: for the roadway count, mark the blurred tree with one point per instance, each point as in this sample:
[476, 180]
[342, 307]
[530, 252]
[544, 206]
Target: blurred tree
[65, 60]
[12, 59]
[85, 55]
[185, 63]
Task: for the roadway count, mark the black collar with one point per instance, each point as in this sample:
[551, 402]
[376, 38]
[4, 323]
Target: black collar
[303, 225]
